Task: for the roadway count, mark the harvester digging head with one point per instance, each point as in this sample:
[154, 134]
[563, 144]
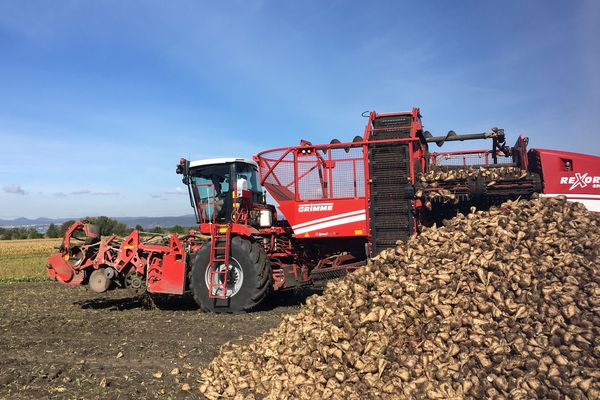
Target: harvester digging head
[153, 262]
[80, 243]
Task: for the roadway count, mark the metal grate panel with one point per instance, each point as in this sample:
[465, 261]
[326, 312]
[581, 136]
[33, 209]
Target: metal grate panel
[325, 173]
[390, 207]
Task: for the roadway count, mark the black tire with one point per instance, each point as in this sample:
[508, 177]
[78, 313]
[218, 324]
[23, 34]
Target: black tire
[256, 282]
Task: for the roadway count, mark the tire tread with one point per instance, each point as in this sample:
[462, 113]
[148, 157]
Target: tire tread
[259, 266]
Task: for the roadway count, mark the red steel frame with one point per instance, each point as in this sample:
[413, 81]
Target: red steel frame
[340, 205]
[163, 266]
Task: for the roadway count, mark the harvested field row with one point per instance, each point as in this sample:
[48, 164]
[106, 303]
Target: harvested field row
[64, 342]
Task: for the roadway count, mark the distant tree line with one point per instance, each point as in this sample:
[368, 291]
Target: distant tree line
[107, 226]
[173, 229]
[19, 233]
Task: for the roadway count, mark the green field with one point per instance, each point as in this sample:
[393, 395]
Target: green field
[25, 260]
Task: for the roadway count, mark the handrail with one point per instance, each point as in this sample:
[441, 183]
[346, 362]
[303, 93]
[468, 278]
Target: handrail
[337, 145]
[262, 181]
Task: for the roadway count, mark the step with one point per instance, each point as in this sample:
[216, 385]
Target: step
[393, 120]
[390, 134]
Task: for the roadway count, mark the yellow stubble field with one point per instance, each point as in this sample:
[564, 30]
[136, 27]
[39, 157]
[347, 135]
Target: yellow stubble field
[25, 260]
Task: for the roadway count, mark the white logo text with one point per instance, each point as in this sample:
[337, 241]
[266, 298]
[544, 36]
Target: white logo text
[315, 207]
[580, 180]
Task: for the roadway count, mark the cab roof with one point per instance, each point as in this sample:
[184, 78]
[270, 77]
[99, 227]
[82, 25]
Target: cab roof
[224, 160]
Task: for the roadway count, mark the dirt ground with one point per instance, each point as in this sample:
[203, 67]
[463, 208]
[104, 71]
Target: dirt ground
[60, 341]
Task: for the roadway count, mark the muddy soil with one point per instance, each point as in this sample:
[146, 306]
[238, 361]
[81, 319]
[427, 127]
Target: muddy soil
[59, 341]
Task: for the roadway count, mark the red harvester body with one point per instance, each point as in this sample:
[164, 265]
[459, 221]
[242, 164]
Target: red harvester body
[342, 202]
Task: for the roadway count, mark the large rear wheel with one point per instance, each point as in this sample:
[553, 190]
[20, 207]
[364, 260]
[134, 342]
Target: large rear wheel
[248, 278]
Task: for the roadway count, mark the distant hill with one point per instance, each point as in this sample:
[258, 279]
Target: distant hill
[146, 222]
[27, 222]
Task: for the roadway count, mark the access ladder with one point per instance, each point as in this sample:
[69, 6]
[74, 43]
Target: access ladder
[219, 261]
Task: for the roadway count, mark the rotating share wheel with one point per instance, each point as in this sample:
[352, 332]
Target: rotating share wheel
[134, 280]
[99, 281]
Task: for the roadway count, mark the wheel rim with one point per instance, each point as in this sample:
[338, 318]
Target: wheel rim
[235, 279]
[134, 280]
[99, 283]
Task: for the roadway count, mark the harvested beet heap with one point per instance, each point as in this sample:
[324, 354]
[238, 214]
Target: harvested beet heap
[497, 304]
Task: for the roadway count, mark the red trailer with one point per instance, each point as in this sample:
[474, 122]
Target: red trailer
[575, 176]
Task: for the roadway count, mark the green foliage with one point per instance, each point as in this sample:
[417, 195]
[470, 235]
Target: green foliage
[173, 229]
[53, 231]
[157, 229]
[19, 233]
[177, 229]
[65, 226]
[33, 234]
[108, 226]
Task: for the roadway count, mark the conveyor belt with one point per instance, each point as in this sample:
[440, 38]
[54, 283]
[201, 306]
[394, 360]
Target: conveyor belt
[391, 189]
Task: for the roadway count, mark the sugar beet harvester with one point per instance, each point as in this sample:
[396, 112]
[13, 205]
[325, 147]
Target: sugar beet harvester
[342, 202]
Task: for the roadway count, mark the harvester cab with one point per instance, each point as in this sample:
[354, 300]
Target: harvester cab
[225, 191]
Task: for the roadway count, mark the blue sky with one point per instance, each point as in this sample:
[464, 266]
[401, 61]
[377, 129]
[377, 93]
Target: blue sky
[98, 100]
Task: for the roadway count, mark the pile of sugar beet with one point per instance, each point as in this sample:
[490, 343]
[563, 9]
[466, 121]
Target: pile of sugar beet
[501, 304]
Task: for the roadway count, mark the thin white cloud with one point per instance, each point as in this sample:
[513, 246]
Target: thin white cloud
[177, 190]
[87, 192]
[14, 189]
[104, 193]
